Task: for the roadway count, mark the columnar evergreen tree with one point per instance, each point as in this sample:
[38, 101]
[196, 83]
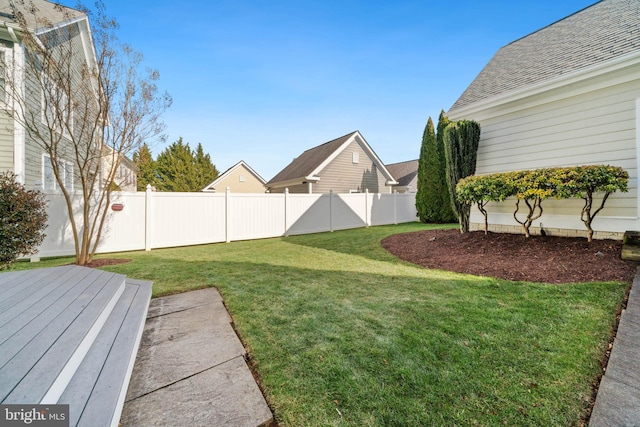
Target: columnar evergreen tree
[447, 214]
[461, 141]
[146, 167]
[433, 200]
[424, 199]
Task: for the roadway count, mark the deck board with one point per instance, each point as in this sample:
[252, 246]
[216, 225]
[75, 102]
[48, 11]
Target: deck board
[35, 297]
[109, 364]
[37, 353]
[70, 335]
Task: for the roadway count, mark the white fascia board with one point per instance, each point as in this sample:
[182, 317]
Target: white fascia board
[373, 156]
[230, 171]
[356, 137]
[619, 63]
[250, 169]
[333, 155]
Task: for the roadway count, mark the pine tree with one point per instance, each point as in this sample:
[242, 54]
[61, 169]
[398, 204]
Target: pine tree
[180, 169]
[176, 168]
[424, 196]
[446, 214]
[206, 172]
[146, 167]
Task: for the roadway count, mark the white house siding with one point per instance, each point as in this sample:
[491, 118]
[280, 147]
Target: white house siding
[589, 122]
[342, 175]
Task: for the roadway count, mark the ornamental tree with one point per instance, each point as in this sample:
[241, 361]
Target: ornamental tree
[584, 181]
[482, 189]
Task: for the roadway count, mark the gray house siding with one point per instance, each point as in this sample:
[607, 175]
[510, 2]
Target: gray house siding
[342, 175]
[592, 122]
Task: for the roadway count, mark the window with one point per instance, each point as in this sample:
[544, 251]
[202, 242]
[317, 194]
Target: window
[5, 66]
[355, 158]
[48, 178]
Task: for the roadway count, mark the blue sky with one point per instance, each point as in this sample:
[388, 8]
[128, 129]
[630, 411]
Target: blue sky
[262, 81]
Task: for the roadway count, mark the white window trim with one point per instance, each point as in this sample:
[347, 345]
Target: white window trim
[8, 67]
[68, 166]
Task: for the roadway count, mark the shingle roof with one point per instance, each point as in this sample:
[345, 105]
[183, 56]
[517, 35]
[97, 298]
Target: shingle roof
[403, 172]
[308, 161]
[47, 13]
[596, 34]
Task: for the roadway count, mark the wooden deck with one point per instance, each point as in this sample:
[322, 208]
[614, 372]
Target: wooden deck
[70, 335]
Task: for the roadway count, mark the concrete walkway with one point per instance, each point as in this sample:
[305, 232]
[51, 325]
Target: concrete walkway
[190, 369]
[618, 399]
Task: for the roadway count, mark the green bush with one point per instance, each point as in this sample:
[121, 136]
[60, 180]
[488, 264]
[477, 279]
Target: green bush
[461, 140]
[23, 218]
[534, 186]
[483, 189]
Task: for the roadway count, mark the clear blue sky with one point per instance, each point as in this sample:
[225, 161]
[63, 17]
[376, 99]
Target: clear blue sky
[262, 81]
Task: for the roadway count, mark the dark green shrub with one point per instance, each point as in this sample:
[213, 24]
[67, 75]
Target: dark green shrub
[427, 174]
[23, 218]
[461, 141]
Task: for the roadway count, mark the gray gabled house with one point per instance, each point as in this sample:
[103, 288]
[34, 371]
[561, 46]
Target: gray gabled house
[406, 174]
[567, 94]
[344, 165]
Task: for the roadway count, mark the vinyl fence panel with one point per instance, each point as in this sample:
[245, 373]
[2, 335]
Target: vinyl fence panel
[148, 220]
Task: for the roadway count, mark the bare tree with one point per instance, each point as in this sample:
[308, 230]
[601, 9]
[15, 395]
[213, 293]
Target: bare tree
[85, 101]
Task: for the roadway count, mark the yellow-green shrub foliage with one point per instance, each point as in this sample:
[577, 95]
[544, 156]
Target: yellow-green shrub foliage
[533, 186]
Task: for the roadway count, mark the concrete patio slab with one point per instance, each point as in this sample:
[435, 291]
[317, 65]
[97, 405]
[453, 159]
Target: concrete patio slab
[190, 368]
[617, 405]
[225, 395]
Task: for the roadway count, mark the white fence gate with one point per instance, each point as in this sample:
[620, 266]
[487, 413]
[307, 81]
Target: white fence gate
[151, 220]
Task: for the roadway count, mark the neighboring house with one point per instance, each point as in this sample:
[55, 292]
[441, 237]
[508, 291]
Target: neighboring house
[343, 165]
[239, 178]
[406, 174]
[18, 153]
[126, 175]
[568, 94]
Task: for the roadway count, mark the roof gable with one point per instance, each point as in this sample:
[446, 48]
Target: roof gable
[310, 163]
[44, 16]
[597, 34]
[305, 164]
[232, 169]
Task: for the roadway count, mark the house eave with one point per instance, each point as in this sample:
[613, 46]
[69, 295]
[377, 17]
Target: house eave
[619, 63]
[295, 181]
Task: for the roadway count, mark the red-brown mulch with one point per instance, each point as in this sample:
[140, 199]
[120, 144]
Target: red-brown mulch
[547, 259]
[107, 261]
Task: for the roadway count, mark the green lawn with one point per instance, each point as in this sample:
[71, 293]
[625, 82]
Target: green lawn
[344, 334]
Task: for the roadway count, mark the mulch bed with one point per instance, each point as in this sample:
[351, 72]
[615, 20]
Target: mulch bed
[546, 259]
[107, 261]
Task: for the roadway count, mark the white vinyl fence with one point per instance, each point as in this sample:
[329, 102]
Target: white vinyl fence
[151, 220]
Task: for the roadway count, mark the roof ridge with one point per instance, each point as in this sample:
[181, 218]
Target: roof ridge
[329, 142]
[553, 23]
